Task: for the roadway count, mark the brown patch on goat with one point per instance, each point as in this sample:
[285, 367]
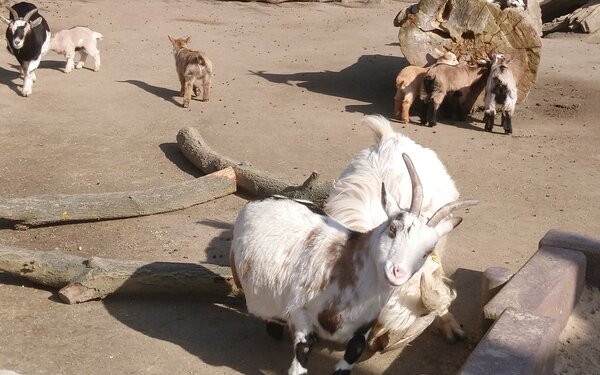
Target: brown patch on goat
[191, 66]
[347, 259]
[330, 319]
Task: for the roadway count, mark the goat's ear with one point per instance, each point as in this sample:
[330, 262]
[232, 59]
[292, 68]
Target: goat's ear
[171, 39]
[437, 53]
[36, 22]
[447, 225]
[389, 204]
[187, 39]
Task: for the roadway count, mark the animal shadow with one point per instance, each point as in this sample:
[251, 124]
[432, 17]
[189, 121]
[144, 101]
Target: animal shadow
[371, 79]
[10, 78]
[161, 92]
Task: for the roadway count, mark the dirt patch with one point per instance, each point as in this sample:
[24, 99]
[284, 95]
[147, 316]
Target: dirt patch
[579, 342]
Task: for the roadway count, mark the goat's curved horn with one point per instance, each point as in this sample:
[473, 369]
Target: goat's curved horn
[29, 14]
[417, 189]
[449, 208]
[13, 12]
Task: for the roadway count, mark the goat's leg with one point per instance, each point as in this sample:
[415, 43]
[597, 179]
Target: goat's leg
[82, 57]
[507, 122]
[187, 92]
[450, 328]
[398, 98]
[406, 103]
[436, 100]
[70, 55]
[196, 89]
[304, 340]
[354, 349]
[488, 119]
[206, 89]
[424, 111]
[182, 83]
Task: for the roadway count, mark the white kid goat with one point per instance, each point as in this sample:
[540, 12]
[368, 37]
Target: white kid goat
[354, 202]
[80, 39]
[304, 268]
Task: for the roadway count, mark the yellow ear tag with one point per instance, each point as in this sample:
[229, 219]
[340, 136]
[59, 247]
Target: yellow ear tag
[435, 258]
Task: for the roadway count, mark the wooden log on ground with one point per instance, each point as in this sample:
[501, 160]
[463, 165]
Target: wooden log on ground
[52, 209]
[552, 9]
[474, 29]
[84, 279]
[250, 180]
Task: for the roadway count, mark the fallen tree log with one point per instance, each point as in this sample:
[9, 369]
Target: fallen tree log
[474, 29]
[84, 279]
[50, 209]
[250, 180]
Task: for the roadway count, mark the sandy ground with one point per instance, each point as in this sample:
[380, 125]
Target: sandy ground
[579, 342]
[291, 85]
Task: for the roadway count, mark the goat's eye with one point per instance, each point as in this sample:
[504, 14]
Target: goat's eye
[395, 226]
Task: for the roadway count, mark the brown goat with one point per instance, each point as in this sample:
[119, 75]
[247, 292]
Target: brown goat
[408, 84]
[464, 81]
[191, 66]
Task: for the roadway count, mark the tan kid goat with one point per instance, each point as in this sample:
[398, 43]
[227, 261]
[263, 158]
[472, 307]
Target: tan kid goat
[191, 66]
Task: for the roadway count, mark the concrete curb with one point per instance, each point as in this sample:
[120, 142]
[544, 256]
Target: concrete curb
[532, 308]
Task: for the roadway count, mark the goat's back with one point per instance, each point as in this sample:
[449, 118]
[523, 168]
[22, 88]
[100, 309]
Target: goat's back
[355, 198]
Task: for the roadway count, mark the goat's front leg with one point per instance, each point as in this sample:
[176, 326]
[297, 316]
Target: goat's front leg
[303, 343]
[354, 349]
[450, 328]
[304, 340]
[488, 119]
[507, 122]
[70, 55]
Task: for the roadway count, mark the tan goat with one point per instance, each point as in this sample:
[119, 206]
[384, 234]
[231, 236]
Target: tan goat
[191, 66]
[408, 84]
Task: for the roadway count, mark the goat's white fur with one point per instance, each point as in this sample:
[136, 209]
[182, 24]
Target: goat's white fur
[296, 265]
[500, 92]
[67, 41]
[354, 202]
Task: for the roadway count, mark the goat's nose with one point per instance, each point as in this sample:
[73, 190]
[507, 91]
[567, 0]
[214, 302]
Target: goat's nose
[398, 272]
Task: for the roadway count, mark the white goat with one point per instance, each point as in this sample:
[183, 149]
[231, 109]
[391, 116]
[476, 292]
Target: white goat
[305, 268]
[408, 84]
[81, 39]
[500, 91]
[353, 202]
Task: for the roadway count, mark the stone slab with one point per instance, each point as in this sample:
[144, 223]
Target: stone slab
[549, 284]
[519, 343]
[590, 246]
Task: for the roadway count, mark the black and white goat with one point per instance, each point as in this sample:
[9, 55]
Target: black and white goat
[353, 201]
[305, 268]
[28, 39]
[500, 91]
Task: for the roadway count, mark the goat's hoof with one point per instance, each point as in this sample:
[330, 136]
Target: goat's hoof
[431, 124]
[488, 128]
[186, 104]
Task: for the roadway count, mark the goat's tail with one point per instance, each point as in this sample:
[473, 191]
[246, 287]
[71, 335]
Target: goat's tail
[379, 124]
[97, 35]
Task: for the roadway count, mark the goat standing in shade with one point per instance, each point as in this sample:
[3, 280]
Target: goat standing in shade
[353, 201]
[303, 267]
[191, 66]
[500, 91]
[28, 39]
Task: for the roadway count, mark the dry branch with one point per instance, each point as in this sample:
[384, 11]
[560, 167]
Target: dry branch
[474, 29]
[250, 180]
[50, 209]
[84, 279]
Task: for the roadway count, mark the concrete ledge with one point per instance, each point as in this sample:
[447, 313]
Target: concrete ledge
[590, 246]
[549, 285]
[518, 343]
